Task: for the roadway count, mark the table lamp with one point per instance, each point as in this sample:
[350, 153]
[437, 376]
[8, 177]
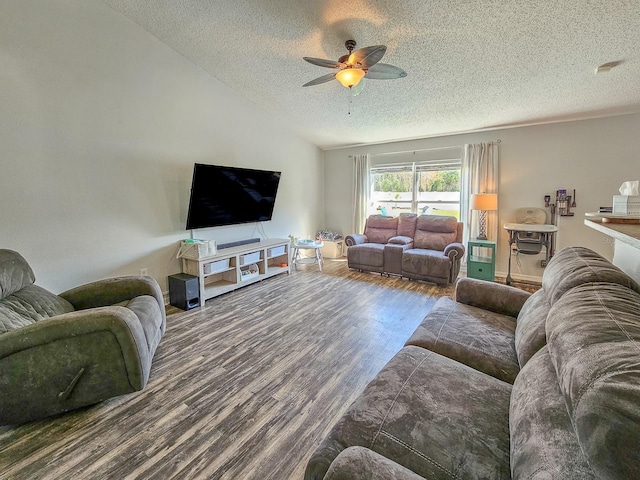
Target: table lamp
[484, 202]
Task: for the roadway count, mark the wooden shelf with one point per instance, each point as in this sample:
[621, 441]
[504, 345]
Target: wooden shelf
[231, 278]
[479, 259]
[206, 275]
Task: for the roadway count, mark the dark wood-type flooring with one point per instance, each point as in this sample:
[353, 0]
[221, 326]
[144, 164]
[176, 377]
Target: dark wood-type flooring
[243, 388]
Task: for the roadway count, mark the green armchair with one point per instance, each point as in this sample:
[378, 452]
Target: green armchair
[62, 352]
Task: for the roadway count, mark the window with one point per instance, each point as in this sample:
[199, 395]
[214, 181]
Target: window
[431, 188]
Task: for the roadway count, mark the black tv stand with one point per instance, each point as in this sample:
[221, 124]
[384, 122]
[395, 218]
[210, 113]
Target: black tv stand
[238, 243]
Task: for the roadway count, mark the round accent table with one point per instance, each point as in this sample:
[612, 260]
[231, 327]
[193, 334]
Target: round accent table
[308, 245]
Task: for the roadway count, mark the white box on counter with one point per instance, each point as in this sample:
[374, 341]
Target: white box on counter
[626, 204]
[215, 267]
[249, 258]
[276, 251]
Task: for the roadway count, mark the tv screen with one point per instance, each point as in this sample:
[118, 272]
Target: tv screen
[230, 195]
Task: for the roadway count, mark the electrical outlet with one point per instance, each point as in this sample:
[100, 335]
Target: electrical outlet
[144, 271]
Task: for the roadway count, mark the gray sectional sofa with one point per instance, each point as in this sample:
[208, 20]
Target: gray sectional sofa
[60, 352]
[501, 384]
[425, 247]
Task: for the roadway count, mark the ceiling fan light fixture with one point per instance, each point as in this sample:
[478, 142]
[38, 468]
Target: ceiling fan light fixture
[350, 77]
[351, 68]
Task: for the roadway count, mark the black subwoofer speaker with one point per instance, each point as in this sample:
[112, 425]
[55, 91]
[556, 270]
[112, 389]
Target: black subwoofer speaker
[184, 291]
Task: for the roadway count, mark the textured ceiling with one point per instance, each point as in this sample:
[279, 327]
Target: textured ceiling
[471, 65]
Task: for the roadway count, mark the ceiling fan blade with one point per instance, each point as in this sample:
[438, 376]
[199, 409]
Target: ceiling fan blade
[367, 56]
[384, 71]
[321, 62]
[323, 79]
[357, 89]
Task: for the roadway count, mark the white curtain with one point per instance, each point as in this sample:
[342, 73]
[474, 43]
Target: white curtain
[361, 191]
[479, 175]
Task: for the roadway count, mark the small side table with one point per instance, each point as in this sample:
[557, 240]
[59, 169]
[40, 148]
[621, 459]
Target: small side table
[481, 260]
[307, 245]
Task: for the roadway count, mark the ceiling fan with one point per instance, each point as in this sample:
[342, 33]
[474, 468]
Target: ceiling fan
[354, 66]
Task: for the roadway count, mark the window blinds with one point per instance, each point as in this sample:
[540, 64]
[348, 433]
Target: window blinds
[449, 164]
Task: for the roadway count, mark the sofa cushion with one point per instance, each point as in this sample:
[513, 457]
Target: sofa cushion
[29, 305]
[543, 442]
[407, 224]
[366, 254]
[422, 411]
[593, 334]
[15, 273]
[530, 326]
[434, 232]
[380, 228]
[478, 338]
[577, 265]
[424, 264]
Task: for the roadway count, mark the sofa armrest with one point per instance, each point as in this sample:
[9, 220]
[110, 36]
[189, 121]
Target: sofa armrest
[455, 251]
[360, 462]
[119, 322]
[401, 240]
[491, 296]
[355, 239]
[70, 361]
[111, 291]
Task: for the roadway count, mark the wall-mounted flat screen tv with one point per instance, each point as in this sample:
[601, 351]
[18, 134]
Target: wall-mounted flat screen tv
[230, 195]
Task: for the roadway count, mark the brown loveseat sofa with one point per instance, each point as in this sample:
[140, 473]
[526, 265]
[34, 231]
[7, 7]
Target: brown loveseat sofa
[425, 247]
[501, 384]
[61, 352]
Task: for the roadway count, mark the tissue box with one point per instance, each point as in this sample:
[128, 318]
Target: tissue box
[626, 204]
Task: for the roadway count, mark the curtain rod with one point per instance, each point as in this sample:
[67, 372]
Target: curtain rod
[420, 150]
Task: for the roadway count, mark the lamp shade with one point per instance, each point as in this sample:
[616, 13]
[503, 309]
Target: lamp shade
[484, 201]
[350, 77]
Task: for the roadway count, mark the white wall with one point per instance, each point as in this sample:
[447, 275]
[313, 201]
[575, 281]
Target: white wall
[99, 130]
[592, 156]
